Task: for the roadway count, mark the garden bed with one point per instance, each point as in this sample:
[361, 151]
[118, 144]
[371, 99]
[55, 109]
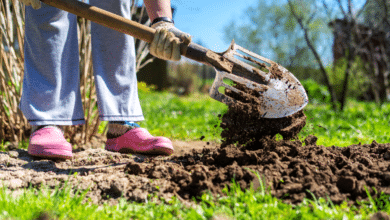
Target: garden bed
[290, 169]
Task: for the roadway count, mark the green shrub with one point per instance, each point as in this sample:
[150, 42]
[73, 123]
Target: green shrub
[143, 87]
[357, 81]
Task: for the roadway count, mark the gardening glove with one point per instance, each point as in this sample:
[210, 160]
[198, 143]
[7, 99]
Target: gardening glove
[167, 40]
[36, 4]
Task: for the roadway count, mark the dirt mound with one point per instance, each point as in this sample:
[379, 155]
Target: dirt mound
[292, 171]
[288, 168]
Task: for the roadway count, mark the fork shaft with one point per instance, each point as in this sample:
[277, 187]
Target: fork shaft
[197, 53]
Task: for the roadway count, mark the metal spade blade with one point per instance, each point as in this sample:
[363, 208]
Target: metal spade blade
[280, 94]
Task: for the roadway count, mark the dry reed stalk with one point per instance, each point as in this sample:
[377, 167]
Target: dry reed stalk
[13, 126]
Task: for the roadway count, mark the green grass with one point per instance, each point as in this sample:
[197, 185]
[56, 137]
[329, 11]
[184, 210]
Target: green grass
[360, 122]
[184, 118]
[233, 204]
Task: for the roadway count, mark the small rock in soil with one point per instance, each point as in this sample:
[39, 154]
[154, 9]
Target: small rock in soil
[13, 154]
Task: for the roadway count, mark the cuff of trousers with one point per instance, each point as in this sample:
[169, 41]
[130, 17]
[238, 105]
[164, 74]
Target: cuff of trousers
[56, 122]
[122, 118]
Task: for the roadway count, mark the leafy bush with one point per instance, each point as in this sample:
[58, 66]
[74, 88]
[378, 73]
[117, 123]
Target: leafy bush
[143, 87]
[358, 78]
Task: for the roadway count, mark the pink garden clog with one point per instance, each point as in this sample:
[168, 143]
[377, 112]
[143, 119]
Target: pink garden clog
[49, 142]
[139, 140]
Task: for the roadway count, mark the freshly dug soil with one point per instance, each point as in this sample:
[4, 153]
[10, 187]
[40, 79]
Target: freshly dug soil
[242, 122]
[288, 168]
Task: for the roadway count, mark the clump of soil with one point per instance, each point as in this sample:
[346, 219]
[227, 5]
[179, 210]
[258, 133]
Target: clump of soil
[276, 72]
[242, 123]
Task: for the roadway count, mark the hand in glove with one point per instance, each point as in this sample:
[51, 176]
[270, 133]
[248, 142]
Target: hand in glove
[166, 44]
[36, 4]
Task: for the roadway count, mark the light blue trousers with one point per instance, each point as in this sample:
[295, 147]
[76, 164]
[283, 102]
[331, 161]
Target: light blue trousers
[51, 84]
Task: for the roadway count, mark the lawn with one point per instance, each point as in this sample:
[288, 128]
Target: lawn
[360, 122]
[234, 204]
[184, 118]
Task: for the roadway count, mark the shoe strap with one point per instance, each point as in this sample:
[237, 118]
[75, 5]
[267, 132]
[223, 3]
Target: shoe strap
[128, 123]
[132, 124]
[116, 130]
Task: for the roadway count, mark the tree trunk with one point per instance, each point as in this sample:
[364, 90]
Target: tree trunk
[350, 57]
[317, 57]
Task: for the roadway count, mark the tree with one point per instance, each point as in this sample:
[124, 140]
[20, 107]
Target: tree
[377, 13]
[377, 49]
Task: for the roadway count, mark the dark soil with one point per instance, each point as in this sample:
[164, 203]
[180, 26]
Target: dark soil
[290, 170]
[242, 123]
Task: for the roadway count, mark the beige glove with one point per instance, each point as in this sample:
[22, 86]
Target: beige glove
[36, 4]
[165, 44]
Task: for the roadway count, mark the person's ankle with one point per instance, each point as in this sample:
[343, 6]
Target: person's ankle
[37, 127]
[119, 128]
[126, 123]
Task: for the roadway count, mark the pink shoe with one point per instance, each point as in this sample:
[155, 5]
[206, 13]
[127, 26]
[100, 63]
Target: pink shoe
[49, 142]
[139, 140]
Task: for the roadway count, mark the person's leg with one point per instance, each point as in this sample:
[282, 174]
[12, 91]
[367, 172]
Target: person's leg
[51, 93]
[116, 84]
[114, 66]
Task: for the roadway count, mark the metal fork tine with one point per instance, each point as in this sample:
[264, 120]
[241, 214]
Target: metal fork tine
[218, 82]
[246, 57]
[238, 47]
